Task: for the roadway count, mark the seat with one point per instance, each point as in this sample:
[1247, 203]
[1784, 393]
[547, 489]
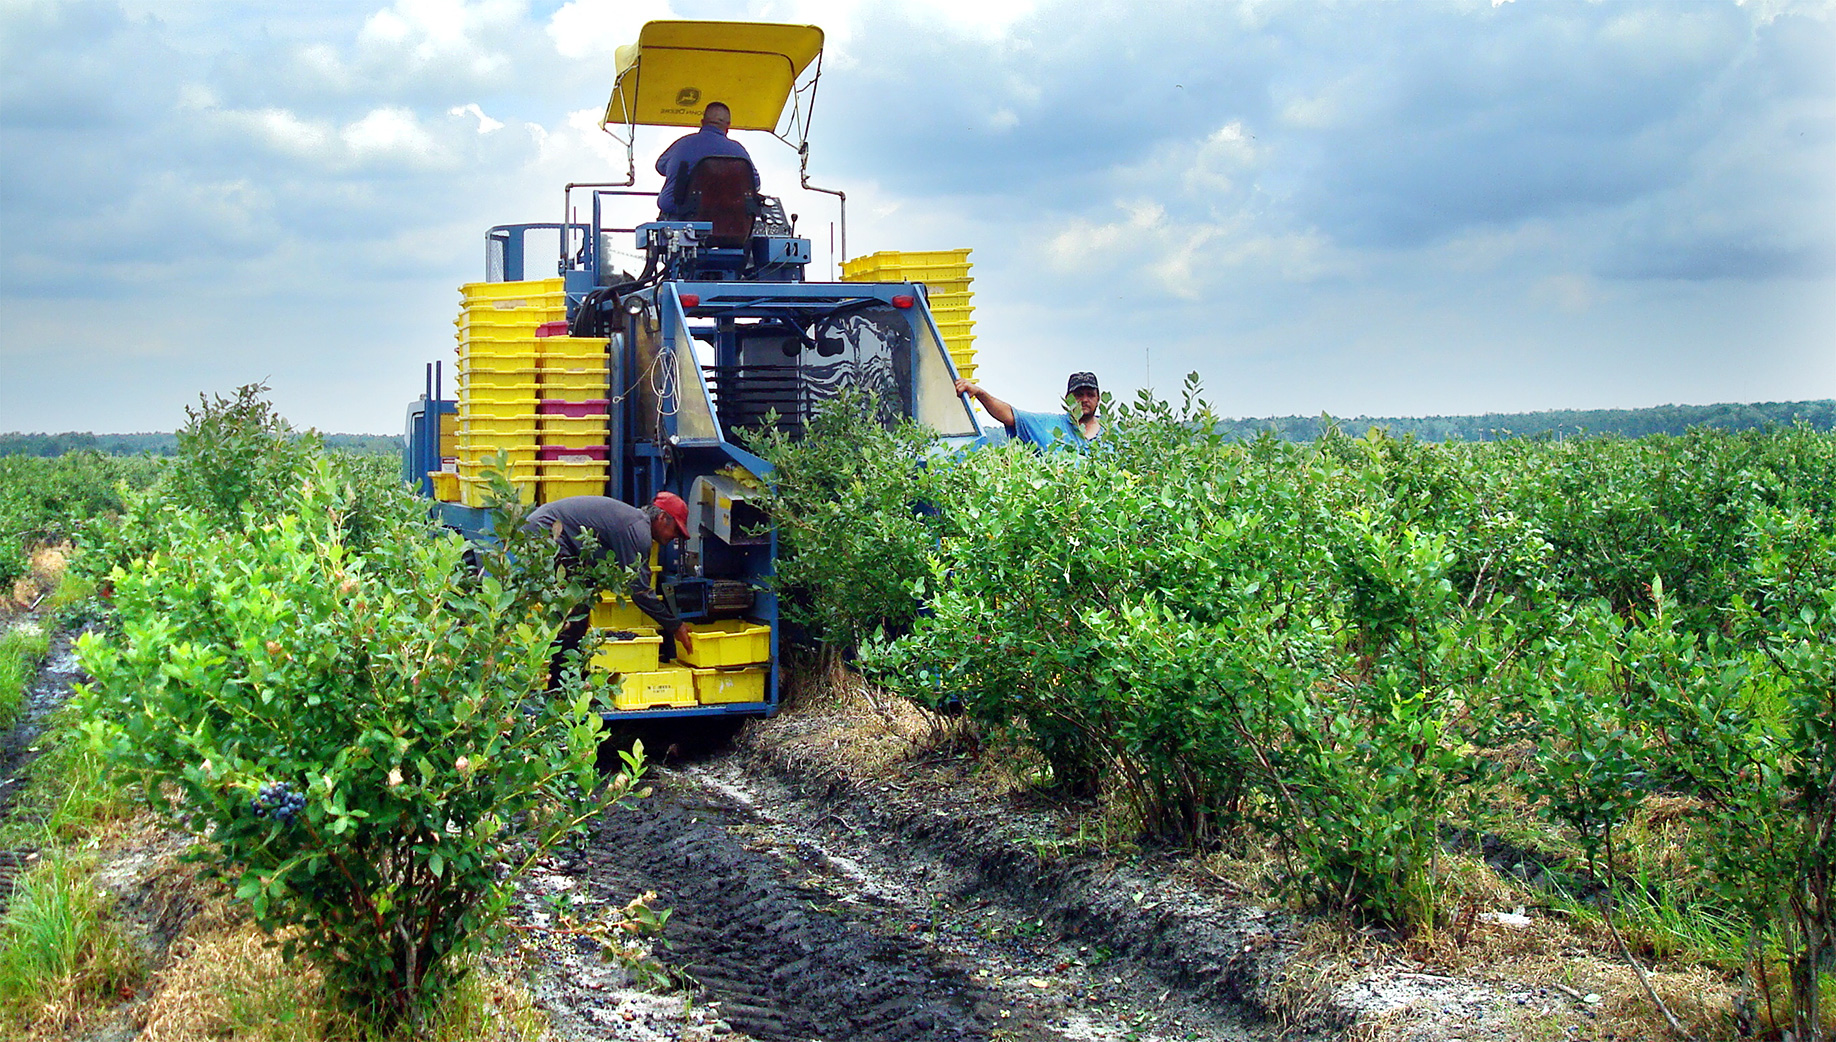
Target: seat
[719, 190]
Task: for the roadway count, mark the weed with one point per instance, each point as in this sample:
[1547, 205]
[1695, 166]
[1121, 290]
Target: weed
[61, 950]
[21, 649]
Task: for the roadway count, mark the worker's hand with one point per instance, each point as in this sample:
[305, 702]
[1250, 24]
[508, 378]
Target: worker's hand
[686, 638]
[963, 386]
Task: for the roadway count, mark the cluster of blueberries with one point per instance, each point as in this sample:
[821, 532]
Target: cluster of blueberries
[279, 802]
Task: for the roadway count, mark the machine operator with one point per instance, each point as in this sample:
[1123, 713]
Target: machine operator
[679, 159]
[1075, 428]
[625, 532]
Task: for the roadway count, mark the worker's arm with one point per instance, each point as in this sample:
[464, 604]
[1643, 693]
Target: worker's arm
[657, 608]
[1002, 412]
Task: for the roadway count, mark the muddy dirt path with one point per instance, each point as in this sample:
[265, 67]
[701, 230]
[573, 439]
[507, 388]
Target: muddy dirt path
[19, 743]
[802, 924]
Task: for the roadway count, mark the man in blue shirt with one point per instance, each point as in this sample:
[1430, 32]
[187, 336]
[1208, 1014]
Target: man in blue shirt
[679, 159]
[1047, 429]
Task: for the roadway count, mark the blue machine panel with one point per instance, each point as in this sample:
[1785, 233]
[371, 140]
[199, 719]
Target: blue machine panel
[777, 250]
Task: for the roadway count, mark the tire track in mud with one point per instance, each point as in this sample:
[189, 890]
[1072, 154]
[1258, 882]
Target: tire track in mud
[805, 923]
[752, 922]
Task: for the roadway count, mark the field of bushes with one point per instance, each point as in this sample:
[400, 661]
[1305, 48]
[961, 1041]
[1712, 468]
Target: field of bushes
[1360, 655]
[294, 666]
[1359, 658]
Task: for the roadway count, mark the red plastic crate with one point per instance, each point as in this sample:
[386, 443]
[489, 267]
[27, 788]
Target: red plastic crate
[552, 328]
[563, 407]
[571, 452]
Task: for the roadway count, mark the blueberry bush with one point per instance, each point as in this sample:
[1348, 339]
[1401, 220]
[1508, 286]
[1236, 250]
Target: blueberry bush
[1354, 648]
[353, 721]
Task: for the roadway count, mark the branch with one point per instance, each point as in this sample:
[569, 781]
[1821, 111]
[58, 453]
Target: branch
[1669, 1017]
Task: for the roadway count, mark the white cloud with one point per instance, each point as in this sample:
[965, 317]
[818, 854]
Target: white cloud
[984, 19]
[391, 132]
[444, 33]
[281, 131]
[593, 29]
[1184, 258]
[289, 133]
[322, 62]
[1072, 248]
[485, 123]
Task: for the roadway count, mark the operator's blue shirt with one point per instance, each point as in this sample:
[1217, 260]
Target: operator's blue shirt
[1048, 429]
[679, 159]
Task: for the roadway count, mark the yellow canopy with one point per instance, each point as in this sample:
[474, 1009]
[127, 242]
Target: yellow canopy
[676, 68]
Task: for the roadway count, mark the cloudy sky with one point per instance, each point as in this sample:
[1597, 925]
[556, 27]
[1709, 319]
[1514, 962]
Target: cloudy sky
[1362, 208]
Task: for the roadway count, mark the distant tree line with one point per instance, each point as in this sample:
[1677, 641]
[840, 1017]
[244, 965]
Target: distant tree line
[164, 443]
[1556, 423]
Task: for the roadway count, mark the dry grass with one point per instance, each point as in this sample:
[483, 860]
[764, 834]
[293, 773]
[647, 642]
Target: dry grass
[220, 977]
[45, 570]
[225, 979]
[868, 732]
[1560, 961]
[230, 982]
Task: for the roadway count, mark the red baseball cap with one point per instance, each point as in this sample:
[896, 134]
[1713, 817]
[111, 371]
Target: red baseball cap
[672, 504]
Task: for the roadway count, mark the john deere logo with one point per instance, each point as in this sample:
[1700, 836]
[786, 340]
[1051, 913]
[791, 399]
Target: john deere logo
[687, 96]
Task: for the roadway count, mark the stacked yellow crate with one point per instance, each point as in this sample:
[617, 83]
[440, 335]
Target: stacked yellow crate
[571, 415]
[945, 274]
[499, 380]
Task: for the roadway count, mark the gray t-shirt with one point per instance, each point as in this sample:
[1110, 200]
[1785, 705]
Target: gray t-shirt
[619, 529]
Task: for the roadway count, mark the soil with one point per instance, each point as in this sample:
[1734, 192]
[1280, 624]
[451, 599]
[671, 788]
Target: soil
[18, 744]
[812, 901]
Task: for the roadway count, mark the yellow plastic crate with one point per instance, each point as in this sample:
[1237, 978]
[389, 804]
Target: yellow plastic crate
[561, 350]
[935, 288]
[638, 654]
[671, 686]
[564, 425]
[563, 440]
[484, 456]
[561, 480]
[528, 289]
[954, 329]
[485, 356]
[520, 394]
[485, 441]
[485, 423]
[499, 376]
[496, 416]
[520, 314]
[615, 611]
[956, 277]
[474, 491]
[882, 258]
[517, 471]
[445, 485]
[732, 642]
[489, 322]
[719, 686]
[938, 263]
[575, 383]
